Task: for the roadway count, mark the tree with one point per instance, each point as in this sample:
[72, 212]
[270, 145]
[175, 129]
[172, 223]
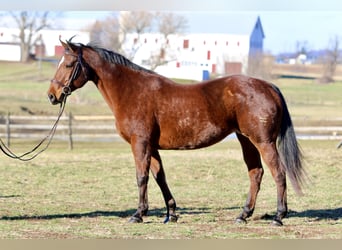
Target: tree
[136, 22]
[29, 24]
[106, 33]
[260, 65]
[112, 32]
[302, 47]
[331, 59]
[168, 24]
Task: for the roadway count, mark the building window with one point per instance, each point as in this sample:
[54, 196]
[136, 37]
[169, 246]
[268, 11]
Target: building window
[185, 43]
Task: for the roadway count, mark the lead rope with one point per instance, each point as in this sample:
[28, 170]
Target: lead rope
[66, 90]
[49, 137]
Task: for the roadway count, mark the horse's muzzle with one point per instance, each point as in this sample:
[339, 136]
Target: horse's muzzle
[53, 99]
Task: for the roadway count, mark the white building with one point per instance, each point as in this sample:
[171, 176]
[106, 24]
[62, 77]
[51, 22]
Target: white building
[190, 56]
[10, 43]
[196, 56]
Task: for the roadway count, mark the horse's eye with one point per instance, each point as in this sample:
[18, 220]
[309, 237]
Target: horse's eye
[69, 65]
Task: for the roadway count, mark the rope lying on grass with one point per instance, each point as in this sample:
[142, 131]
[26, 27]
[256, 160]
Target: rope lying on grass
[33, 153]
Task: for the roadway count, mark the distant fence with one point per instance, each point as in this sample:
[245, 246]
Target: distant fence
[101, 128]
[70, 128]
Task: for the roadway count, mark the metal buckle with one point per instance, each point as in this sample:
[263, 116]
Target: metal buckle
[66, 90]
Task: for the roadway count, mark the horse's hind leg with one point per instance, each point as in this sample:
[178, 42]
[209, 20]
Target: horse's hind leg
[255, 171]
[159, 175]
[271, 158]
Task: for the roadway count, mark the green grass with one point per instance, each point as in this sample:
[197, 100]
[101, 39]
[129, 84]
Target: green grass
[25, 85]
[310, 100]
[91, 193]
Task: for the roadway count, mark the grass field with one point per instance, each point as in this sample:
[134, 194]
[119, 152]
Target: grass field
[91, 193]
[24, 85]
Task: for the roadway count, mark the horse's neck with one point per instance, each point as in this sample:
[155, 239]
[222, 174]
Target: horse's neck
[110, 93]
[106, 80]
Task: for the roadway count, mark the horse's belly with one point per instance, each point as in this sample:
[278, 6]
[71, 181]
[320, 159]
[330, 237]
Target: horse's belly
[198, 135]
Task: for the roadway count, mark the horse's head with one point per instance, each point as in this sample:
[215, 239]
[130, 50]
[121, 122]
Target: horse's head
[72, 73]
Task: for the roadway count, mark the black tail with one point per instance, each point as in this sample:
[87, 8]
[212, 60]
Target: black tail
[289, 150]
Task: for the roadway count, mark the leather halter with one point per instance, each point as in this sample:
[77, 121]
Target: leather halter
[77, 68]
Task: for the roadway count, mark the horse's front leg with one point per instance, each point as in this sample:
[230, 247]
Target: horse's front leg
[142, 156]
[159, 175]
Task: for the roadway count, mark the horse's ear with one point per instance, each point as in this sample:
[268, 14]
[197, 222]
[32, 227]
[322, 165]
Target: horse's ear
[69, 46]
[72, 47]
[65, 45]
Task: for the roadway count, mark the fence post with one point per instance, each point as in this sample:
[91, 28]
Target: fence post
[8, 130]
[71, 144]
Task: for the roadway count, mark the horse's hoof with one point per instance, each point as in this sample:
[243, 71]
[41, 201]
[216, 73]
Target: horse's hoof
[171, 218]
[277, 223]
[134, 219]
[240, 221]
[174, 218]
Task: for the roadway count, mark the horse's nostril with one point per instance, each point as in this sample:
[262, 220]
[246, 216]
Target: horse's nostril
[52, 98]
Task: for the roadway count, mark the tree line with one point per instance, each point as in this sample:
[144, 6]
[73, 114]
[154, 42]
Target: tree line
[112, 31]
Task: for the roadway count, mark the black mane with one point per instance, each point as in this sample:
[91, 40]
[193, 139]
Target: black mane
[113, 57]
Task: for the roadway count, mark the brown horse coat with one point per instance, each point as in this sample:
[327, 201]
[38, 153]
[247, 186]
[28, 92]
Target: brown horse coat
[153, 112]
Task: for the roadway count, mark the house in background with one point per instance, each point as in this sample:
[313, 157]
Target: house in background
[47, 43]
[9, 46]
[196, 56]
[193, 56]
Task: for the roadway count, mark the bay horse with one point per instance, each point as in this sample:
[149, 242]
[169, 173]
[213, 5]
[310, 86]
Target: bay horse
[154, 113]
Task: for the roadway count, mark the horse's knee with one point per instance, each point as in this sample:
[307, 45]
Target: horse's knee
[142, 180]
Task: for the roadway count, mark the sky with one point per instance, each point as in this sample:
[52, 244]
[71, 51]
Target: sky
[309, 22]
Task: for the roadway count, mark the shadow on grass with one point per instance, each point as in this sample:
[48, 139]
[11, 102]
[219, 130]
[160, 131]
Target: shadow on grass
[314, 214]
[8, 196]
[317, 215]
[121, 214]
